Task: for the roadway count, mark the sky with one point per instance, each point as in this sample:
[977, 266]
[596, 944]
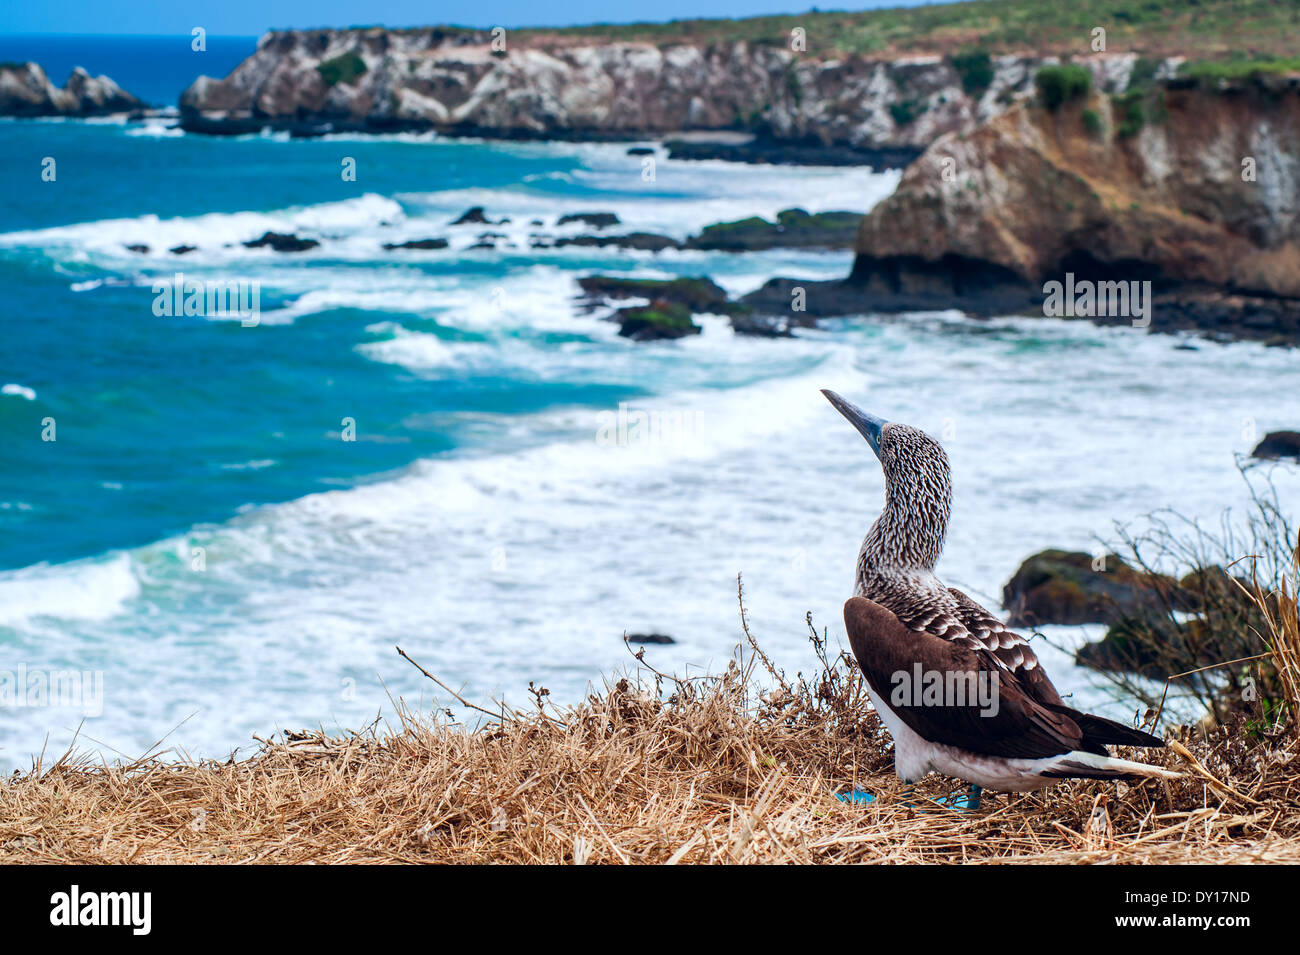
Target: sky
[254, 17]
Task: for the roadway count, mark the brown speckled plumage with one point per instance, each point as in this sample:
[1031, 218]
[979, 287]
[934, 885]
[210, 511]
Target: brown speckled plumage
[896, 562]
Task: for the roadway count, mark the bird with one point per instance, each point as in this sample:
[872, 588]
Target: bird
[960, 693]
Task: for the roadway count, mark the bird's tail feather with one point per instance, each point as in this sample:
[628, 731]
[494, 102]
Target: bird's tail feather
[1098, 729]
[1081, 765]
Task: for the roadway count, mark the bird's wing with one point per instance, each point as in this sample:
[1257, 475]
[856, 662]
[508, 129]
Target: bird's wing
[925, 611]
[1008, 648]
[1016, 726]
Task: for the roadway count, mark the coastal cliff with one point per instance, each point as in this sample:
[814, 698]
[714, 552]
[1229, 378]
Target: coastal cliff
[1206, 191]
[25, 90]
[552, 86]
[1194, 187]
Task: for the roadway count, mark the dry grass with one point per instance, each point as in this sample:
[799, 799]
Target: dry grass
[1238, 651]
[736, 768]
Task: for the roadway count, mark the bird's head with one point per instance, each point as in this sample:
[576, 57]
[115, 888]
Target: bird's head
[918, 487]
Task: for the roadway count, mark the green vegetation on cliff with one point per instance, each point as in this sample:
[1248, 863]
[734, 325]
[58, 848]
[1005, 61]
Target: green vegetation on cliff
[1057, 85]
[1235, 69]
[975, 67]
[1212, 28]
[341, 69]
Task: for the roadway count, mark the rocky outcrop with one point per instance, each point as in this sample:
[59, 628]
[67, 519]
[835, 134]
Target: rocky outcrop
[1071, 587]
[672, 305]
[546, 86]
[659, 320]
[793, 229]
[476, 216]
[418, 244]
[1193, 189]
[765, 148]
[597, 220]
[696, 294]
[26, 91]
[640, 241]
[661, 638]
[1211, 615]
[282, 242]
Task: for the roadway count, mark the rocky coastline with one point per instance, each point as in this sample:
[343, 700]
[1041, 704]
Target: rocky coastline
[26, 92]
[1171, 208]
[1173, 198]
[797, 106]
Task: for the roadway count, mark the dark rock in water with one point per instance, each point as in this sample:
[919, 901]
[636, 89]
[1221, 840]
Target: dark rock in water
[1156, 640]
[649, 638]
[802, 302]
[762, 149]
[536, 222]
[597, 220]
[182, 249]
[641, 241]
[492, 240]
[893, 284]
[659, 320]
[700, 294]
[1129, 647]
[1278, 444]
[694, 295]
[640, 151]
[794, 228]
[418, 244]
[142, 249]
[282, 242]
[1062, 587]
[475, 216]
[761, 326]
[914, 284]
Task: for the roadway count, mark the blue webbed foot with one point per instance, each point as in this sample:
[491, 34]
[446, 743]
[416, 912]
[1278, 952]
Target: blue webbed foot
[965, 802]
[858, 796]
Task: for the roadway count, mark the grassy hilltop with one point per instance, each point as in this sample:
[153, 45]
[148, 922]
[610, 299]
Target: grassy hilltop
[1202, 29]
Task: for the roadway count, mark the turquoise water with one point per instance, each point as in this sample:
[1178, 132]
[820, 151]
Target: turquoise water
[183, 402]
[201, 536]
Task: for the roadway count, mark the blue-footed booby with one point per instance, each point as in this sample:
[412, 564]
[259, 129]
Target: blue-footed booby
[959, 693]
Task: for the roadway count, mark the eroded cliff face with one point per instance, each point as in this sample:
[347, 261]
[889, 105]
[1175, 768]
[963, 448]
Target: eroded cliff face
[25, 90]
[1205, 192]
[453, 80]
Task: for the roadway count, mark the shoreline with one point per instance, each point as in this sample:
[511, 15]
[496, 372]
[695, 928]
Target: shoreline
[727, 145]
[881, 285]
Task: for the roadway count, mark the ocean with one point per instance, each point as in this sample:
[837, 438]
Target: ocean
[155, 68]
[202, 537]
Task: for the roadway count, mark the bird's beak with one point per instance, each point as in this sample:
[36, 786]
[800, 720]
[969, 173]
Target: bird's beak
[867, 424]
